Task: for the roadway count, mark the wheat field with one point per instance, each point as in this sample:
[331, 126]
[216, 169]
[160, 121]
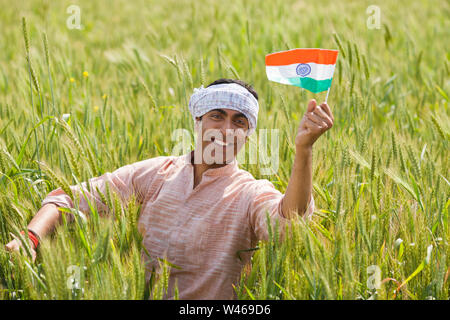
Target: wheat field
[76, 103]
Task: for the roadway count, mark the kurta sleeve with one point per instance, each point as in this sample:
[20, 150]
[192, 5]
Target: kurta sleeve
[130, 179]
[264, 197]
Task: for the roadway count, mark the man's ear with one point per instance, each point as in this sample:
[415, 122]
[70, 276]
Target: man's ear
[246, 139]
[197, 124]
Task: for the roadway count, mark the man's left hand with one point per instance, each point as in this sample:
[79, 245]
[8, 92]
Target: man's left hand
[314, 123]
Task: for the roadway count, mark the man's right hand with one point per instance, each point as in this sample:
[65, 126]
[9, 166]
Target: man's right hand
[15, 246]
[42, 223]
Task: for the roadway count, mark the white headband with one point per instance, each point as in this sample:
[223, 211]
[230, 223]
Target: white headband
[225, 95]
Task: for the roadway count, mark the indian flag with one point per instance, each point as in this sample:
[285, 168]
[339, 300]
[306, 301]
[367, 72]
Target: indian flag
[311, 69]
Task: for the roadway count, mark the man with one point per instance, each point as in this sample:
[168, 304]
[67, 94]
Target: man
[199, 210]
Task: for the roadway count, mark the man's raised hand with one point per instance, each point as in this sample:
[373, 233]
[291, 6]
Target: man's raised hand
[314, 123]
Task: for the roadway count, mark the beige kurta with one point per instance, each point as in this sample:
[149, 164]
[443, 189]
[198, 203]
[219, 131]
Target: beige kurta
[201, 230]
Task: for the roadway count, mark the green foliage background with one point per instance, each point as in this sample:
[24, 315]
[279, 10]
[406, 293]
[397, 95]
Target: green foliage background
[380, 174]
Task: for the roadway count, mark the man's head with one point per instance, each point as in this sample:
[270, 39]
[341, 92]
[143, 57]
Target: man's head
[225, 114]
[239, 82]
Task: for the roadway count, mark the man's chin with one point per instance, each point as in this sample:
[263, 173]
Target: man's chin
[222, 160]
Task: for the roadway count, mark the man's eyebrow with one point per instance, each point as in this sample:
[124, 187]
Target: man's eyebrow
[220, 111]
[236, 115]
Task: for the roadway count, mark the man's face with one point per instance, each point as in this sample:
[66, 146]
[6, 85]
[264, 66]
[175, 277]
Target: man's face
[223, 134]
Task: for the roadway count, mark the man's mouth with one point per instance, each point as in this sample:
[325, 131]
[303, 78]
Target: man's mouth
[221, 143]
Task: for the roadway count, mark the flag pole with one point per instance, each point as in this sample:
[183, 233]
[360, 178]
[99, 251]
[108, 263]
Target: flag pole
[326, 98]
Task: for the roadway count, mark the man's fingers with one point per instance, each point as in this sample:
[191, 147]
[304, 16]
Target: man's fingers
[311, 105]
[321, 113]
[327, 109]
[9, 246]
[317, 120]
[310, 124]
[12, 246]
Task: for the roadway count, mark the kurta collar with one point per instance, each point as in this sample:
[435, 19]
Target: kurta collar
[226, 170]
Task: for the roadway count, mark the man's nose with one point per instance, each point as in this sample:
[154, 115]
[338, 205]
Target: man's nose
[227, 125]
[233, 135]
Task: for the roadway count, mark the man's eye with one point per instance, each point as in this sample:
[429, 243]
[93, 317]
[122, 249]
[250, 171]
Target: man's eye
[215, 116]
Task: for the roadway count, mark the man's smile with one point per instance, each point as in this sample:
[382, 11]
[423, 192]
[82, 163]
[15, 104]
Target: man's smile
[221, 143]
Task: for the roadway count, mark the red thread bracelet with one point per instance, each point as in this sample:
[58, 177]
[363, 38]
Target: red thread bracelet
[33, 237]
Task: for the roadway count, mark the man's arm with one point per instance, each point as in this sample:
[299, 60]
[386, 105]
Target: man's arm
[43, 223]
[45, 220]
[136, 178]
[314, 123]
[48, 216]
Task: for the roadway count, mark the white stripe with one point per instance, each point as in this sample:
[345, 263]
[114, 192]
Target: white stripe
[278, 79]
[318, 71]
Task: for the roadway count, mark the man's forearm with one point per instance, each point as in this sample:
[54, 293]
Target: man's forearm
[45, 220]
[298, 192]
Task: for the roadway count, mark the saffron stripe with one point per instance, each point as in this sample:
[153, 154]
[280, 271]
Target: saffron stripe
[319, 56]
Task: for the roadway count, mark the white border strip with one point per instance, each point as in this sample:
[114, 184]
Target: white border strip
[318, 71]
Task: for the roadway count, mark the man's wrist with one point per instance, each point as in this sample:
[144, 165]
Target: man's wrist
[33, 238]
[304, 150]
[302, 160]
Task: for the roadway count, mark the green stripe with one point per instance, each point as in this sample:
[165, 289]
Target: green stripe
[311, 84]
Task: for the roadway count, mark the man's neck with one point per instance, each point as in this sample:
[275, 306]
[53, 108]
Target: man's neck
[200, 168]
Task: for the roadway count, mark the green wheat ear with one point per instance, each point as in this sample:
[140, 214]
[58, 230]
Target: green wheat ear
[46, 51]
[76, 143]
[380, 173]
[358, 59]
[147, 91]
[9, 159]
[366, 67]
[73, 162]
[202, 73]
[60, 181]
[339, 44]
[187, 72]
[3, 164]
[394, 145]
[25, 37]
[439, 129]
[92, 162]
[350, 54]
